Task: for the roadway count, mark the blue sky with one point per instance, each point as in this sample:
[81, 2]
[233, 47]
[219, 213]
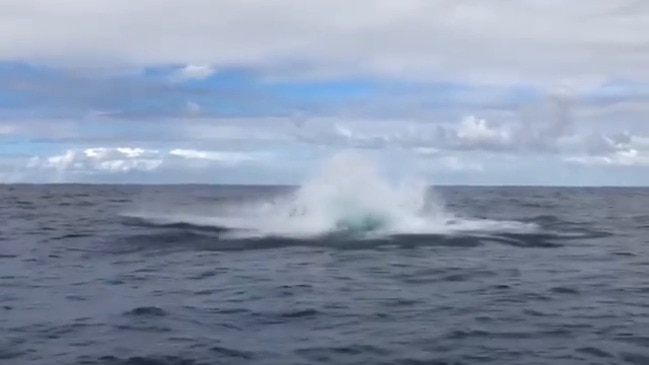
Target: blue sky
[256, 92]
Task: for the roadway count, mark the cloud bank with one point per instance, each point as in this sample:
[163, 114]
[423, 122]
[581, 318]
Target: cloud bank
[544, 41]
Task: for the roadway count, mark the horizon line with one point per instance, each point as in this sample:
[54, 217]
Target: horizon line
[298, 185]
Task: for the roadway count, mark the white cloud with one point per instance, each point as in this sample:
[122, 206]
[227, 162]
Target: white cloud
[124, 160]
[193, 72]
[477, 132]
[470, 133]
[552, 134]
[620, 149]
[545, 127]
[502, 41]
[100, 159]
[628, 158]
[225, 157]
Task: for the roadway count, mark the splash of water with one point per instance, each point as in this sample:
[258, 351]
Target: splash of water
[348, 195]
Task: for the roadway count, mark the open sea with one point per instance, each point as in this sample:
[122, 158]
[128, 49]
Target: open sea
[188, 275]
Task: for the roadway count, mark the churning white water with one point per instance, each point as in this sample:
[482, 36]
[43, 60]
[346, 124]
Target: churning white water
[347, 194]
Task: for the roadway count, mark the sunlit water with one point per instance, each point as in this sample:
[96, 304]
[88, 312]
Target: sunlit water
[347, 269]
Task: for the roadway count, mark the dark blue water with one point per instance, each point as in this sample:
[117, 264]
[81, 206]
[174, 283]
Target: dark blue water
[80, 283]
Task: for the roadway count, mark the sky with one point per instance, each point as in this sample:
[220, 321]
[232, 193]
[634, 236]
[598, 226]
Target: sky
[504, 92]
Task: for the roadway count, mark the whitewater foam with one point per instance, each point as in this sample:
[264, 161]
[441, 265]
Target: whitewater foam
[346, 195]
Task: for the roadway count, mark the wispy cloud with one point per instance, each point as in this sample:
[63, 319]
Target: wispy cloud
[505, 40]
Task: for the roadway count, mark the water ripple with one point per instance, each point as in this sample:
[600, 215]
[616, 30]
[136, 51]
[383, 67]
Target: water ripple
[82, 284]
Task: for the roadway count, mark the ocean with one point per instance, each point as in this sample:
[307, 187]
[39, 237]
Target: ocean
[351, 272]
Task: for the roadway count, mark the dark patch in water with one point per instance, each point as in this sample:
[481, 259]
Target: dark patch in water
[147, 311]
[301, 313]
[594, 351]
[635, 359]
[73, 235]
[630, 254]
[232, 353]
[564, 290]
[142, 360]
